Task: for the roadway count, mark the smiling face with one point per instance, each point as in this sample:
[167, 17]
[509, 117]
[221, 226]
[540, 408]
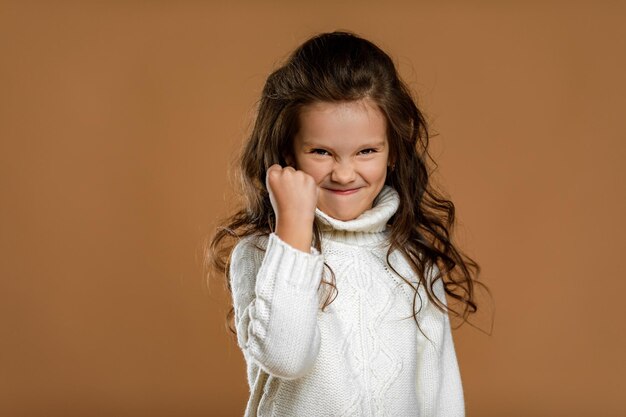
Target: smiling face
[344, 147]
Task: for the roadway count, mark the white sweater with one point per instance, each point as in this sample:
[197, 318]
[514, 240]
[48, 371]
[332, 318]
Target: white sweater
[364, 355]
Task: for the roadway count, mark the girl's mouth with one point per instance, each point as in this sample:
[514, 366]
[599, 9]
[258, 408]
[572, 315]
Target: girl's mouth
[343, 192]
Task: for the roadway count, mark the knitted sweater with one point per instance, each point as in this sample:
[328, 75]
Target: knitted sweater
[363, 355]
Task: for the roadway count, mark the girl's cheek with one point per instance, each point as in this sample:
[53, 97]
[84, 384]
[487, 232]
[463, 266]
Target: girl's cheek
[374, 168]
[317, 169]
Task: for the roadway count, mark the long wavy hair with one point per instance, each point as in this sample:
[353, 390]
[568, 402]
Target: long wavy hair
[336, 67]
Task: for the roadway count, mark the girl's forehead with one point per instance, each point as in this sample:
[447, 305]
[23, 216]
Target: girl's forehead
[323, 115]
[354, 123]
[342, 108]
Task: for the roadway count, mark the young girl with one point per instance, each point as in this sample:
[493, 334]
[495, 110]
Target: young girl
[343, 255]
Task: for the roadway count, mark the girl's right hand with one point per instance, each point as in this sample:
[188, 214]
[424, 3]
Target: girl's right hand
[293, 195]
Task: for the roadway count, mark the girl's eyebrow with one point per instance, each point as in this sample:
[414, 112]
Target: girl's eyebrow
[312, 144]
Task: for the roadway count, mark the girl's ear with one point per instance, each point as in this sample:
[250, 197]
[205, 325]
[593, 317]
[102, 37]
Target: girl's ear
[289, 159]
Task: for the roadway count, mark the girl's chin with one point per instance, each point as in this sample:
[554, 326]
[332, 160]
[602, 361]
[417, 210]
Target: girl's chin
[343, 216]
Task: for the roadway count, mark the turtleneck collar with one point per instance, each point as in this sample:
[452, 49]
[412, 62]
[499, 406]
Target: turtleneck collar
[366, 229]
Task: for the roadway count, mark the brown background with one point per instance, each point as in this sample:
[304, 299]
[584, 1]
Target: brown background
[119, 121]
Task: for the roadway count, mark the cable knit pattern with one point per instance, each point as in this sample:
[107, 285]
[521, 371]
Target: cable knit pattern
[364, 355]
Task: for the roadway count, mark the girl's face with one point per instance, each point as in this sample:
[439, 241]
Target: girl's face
[344, 147]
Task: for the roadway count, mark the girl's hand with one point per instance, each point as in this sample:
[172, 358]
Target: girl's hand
[293, 195]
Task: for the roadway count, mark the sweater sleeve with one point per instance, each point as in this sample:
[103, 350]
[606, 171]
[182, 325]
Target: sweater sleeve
[439, 379]
[276, 304]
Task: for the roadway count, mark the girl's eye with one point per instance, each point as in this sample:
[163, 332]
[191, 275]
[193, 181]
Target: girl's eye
[368, 151]
[319, 152]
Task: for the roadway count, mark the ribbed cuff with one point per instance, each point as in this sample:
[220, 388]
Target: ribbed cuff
[298, 269]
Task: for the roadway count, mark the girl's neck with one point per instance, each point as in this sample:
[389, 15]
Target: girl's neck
[368, 228]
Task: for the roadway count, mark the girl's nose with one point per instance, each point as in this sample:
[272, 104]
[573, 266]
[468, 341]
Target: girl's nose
[343, 173]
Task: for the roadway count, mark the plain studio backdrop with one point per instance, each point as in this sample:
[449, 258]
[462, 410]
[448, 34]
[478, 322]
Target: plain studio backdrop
[119, 122]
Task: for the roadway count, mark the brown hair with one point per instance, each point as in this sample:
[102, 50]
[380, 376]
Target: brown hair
[341, 66]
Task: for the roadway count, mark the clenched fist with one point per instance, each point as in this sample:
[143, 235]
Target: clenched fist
[293, 195]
